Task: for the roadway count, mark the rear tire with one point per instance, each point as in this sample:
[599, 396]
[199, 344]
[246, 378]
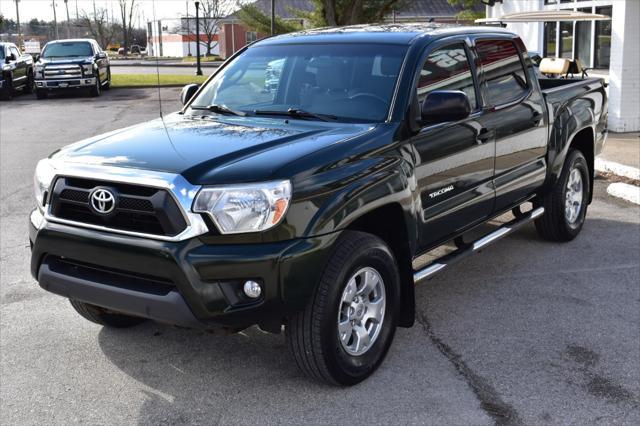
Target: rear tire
[104, 317]
[29, 86]
[565, 207]
[107, 85]
[347, 328]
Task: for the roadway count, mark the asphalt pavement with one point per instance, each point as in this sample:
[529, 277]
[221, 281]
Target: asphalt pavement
[527, 332]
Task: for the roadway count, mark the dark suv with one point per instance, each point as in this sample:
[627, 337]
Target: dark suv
[17, 70]
[72, 64]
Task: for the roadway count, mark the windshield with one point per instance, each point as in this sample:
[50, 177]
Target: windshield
[70, 49]
[352, 82]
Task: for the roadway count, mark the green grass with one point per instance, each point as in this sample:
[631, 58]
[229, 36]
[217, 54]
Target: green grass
[192, 59]
[119, 80]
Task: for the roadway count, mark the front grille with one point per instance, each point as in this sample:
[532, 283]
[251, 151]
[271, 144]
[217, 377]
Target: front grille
[54, 72]
[110, 276]
[140, 209]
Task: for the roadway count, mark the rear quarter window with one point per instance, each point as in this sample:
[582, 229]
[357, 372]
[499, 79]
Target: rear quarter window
[503, 71]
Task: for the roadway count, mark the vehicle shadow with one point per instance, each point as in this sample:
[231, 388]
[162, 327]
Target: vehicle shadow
[195, 377]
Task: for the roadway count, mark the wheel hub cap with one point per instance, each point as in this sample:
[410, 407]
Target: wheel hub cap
[573, 196]
[361, 311]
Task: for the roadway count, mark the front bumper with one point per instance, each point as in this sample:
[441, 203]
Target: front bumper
[187, 283]
[65, 83]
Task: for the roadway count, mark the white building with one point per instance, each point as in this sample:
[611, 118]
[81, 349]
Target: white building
[177, 38]
[609, 46]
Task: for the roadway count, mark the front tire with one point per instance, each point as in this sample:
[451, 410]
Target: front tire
[104, 317]
[347, 328]
[95, 90]
[565, 207]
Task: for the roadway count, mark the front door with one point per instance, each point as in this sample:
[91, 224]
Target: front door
[454, 160]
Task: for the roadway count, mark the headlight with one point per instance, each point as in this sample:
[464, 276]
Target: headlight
[39, 69]
[42, 180]
[87, 69]
[245, 208]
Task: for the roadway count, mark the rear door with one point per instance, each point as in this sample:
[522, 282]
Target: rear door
[515, 116]
[454, 160]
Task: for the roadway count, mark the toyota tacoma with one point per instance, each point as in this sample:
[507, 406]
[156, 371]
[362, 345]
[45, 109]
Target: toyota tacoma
[304, 198]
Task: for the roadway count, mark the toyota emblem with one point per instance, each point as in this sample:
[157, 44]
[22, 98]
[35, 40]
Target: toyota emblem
[103, 201]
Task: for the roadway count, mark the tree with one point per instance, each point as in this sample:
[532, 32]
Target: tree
[349, 12]
[127, 8]
[212, 12]
[324, 13]
[99, 27]
[468, 12]
[256, 20]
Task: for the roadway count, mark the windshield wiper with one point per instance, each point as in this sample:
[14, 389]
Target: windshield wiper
[297, 113]
[221, 109]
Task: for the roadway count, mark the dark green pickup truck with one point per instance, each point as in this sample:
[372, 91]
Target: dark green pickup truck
[299, 185]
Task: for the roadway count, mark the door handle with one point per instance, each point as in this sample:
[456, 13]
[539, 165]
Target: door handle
[483, 135]
[537, 118]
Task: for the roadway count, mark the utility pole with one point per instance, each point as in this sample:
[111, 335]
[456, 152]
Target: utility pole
[77, 16]
[273, 17]
[55, 19]
[198, 69]
[188, 28]
[66, 5]
[19, 29]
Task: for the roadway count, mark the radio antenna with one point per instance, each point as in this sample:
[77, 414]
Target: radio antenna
[156, 50]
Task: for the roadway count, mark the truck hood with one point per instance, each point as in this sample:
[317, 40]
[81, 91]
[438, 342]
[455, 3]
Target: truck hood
[211, 149]
[65, 61]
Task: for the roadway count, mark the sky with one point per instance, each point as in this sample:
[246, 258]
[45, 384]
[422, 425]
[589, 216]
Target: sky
[42, 9]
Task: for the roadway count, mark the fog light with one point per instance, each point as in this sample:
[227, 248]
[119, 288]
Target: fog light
[252, 289]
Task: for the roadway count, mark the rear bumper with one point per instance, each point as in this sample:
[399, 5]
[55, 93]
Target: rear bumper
[186, 283]
[65, 83]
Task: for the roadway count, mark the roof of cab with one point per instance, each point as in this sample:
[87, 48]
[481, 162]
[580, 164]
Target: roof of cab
[377, 33]
[70, 40]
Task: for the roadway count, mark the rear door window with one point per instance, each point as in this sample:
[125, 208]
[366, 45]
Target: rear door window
[447, 68]
[503, 71]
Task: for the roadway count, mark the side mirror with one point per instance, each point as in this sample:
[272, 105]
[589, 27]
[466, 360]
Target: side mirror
[11, 57]
[187, 92]
[36, 57]
[101, 55]
[445, 105]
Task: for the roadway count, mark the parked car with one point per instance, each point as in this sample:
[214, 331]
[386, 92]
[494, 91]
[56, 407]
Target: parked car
[311, 205]
[72, 64]
[17, 70]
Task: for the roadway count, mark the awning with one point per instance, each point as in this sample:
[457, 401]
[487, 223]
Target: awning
[544, 16]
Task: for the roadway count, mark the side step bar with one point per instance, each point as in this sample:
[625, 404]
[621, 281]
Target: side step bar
[474, 247]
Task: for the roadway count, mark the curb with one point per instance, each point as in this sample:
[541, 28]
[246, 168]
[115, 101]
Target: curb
[630, 193]
[148, 86]
[166, 65]
[604, 166]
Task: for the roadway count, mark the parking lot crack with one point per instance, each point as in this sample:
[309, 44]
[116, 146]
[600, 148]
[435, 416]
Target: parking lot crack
[491, 403]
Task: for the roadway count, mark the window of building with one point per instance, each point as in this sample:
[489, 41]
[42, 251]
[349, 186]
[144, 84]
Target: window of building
[583, 39]
[566, 39]
[603, 39]
[550, 37]
[503, 71]
[447, 68]
[550, 1]
[251, 36]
